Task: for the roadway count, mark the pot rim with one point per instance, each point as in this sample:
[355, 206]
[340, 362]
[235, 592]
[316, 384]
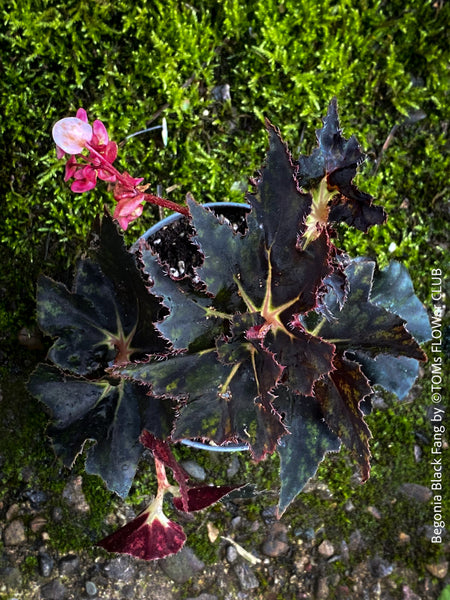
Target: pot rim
[151, 231]
[175, 216]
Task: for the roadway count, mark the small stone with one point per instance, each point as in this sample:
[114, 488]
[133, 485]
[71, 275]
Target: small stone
[404, 538]
[349, 506]
[68, 565]
[374, 512]
[46, 564]
[194, 470]
[74, 496]
[231, 554]
[438, 570]
[57, 514]
[12, 512]
[91, 588]
[326, 549]
[417, 453]
[121, 568]
[323, 591]
[37, 524]
[234, 467]
[14, 534]
[54, 590]
[213, 532]
[344, 551]
[11, 578]
[408, 594]
[354, 542]
[246, 577]
[36, 498]
[182, 566]
[416, 492]
[380, 567]
[274, 547]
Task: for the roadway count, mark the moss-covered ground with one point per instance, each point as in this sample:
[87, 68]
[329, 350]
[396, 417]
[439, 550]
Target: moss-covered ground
[130, 65]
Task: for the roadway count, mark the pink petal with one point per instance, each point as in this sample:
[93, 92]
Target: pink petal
[71, 134]
[123, 215]
[82, 115]
[100, 137]
[59, 152]
[82, 185]
[71, 168]
[150, 536]
[110, 152]
[105, 175]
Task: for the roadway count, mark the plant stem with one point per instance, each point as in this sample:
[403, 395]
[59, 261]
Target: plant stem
[148, 197]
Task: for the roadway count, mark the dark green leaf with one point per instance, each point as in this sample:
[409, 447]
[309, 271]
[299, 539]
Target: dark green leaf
[113, 416]
[191, 322]
[304, 448]
[221, 400]
[393, 290]
[362, 325]
[339, 395]
[395, 374]
[109, 315]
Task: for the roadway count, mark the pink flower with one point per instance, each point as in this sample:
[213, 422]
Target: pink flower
[71, 135]
[128, 210]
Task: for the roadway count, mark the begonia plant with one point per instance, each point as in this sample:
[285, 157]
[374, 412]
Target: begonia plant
[275, 339]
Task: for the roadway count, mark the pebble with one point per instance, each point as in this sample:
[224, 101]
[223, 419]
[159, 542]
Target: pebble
[14, 534]
[234, 467]
[69, 564]
[204, 596]
[122, 568]
[36, 498]
[354, 542]
[182, 566]
[194, 469]
[416, 491]
[46, 564]
[274, 547]
[231, 554]
[54, 590]
[408, 594]
[37, 524]
[439, 570]
[326, 549]
[323, 591]
[247, 579]
[74, 496]
[374, 512]
[379, 567]
[91, 588]
[11, 577]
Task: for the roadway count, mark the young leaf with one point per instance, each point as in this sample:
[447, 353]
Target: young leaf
[111, 415]
[337, 159]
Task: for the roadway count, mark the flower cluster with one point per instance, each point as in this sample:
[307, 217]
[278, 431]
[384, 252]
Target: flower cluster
[72, 136]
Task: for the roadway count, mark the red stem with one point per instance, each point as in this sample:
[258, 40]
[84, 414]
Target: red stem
[149, 197]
